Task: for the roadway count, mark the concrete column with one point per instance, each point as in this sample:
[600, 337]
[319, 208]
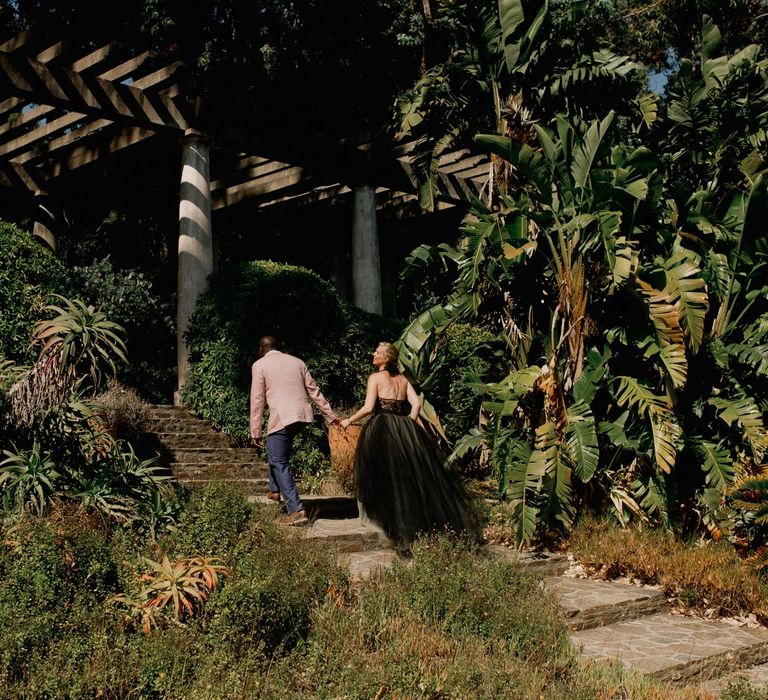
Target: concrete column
[366, 266]
[195, 241]
[45, 220]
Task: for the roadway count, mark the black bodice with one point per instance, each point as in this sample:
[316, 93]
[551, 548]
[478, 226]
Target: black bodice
[390, 406]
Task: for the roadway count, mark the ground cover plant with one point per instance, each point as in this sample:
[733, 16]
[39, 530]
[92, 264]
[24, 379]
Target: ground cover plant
[281, 620]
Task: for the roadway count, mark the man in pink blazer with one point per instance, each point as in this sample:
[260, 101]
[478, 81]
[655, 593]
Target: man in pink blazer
[285, 384]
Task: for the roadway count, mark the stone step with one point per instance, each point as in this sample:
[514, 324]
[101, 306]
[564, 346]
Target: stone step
[587, 603]
[675, 648]
[161, 411]
[346, 535]
[243, 455]
[218, 470]
[174, 441]
[177, 425]
[543, 563]
[249, 486]
[361, 565]
[319, 506]
[756, 676]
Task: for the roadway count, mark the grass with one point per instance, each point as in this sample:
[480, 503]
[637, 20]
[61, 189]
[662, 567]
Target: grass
[703, 576]
[450, 622]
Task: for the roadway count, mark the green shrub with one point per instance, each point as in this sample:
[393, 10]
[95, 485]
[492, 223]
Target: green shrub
[466, 349]
[305, 313]
[128, 298]
[742, 689]
[29, 275]
[265, 607]
[56, 573]
[212, 521]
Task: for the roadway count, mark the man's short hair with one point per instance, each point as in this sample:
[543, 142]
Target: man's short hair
[267, 343]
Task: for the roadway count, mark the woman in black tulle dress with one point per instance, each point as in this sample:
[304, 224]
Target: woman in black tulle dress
[403, 483]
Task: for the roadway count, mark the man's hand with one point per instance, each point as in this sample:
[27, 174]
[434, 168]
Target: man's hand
[258, 443]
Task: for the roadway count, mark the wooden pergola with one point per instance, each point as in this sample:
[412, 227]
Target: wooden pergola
[63, 109]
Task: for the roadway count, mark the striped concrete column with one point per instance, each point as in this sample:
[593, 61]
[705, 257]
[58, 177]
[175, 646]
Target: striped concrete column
[195, 241]
[45, 220]
[366, 265]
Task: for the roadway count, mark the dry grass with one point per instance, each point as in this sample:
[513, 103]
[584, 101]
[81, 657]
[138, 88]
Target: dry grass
[704, 576]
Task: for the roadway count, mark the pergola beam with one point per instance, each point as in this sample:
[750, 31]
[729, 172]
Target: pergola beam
[67, 116]
[96, 96]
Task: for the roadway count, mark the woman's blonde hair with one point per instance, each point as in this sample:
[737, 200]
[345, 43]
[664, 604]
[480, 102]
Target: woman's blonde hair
[392, 354]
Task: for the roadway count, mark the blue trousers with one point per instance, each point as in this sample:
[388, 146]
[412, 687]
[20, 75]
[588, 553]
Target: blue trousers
[279, 446]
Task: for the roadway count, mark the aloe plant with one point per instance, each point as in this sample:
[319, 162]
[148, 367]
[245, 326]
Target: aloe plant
[181, 587]
[82, 338]
[30, 479]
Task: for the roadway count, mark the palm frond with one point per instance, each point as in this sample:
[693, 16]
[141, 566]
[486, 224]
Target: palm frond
[687, 292]
[715, 461]
[582, 441]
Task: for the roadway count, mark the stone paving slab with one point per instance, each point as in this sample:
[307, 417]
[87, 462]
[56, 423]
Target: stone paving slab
[544, 563]
[362, 564]
[676, 648]
[318, 506]
[587, 603]
[346, 535]
[217, 454]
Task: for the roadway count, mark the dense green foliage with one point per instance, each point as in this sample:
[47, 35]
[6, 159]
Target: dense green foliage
[55, 442]
[30, 274]
[469, 352]
[623, 256]
[310, 321]
[128, 297]
[56, 577]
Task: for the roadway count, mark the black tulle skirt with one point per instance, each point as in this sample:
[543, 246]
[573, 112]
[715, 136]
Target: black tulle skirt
[404, 485]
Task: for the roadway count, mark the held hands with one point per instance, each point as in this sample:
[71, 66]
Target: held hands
[345, 423]
[258, 442]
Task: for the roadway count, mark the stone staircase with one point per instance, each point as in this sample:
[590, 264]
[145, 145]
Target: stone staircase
[610, 621]
[197, 454]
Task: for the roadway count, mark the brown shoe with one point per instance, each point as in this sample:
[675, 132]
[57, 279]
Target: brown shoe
[294, 519]
[273, 495]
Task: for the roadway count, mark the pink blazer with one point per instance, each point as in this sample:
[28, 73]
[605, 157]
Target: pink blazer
[284, 382]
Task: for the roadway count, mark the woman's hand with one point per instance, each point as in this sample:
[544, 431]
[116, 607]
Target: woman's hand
[345, 423]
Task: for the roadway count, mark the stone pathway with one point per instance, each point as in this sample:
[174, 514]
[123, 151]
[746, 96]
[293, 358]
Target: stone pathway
[609, 621]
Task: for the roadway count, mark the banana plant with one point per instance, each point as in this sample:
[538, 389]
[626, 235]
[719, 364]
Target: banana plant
[644, 310]
[504, 80]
